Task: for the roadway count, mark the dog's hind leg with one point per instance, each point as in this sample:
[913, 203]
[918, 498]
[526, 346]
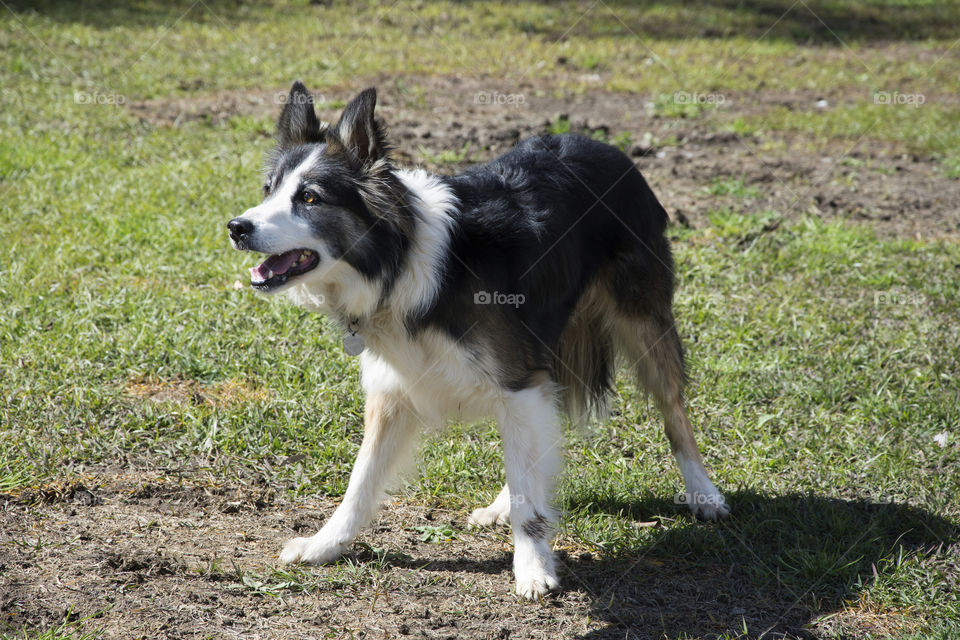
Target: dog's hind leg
[389, 437]
[531, 433]
[497, 513]
[653, 348]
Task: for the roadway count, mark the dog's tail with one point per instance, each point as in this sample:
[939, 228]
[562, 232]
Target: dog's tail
[586, 359]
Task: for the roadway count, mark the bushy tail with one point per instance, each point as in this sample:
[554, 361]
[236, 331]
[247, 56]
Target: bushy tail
[586, 360]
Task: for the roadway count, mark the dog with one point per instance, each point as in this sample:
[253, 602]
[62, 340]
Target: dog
[505, 291]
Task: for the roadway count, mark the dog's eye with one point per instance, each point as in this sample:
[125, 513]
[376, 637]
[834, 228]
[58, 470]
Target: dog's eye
[310, 196]
[266, 189]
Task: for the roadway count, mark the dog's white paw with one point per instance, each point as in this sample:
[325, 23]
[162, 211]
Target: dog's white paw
[702, 496]
[313, 550]
[488, 517]
[710, 507]
[534, 567]
[536, 585]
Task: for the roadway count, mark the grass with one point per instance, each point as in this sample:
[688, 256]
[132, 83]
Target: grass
[67, 630]
[448, 156]
[822, 359]
[731, 186]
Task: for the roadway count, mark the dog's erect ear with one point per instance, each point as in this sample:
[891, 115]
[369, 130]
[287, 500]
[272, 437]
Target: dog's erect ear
[298, 122]
[359, 131]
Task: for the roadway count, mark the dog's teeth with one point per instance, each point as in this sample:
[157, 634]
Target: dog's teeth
[269, 273]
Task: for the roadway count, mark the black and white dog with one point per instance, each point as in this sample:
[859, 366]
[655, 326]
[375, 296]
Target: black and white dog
[505, 291]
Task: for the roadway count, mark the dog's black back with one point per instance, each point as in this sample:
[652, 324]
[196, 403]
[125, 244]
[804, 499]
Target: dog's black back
[545, 223]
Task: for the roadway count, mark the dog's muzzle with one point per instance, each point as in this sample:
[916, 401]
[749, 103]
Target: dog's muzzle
[240, 230]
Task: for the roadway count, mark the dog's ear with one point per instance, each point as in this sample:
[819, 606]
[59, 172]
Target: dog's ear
[358, 130]
[298, 122]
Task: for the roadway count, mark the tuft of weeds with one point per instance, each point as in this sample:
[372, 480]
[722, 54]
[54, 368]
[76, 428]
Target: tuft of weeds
[70, 629]
[278, 583]
[731, 186]
[559, 126]
[436, 534]
[447, 156]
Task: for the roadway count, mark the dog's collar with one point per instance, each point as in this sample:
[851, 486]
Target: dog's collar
[353, 343]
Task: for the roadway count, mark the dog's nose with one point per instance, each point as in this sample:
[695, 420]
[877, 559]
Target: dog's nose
[239, 229]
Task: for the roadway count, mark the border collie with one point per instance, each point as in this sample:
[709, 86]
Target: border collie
[504, 291]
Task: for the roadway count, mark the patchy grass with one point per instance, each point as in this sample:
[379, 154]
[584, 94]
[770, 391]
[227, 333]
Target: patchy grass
[184, 392]
[822, 360]
[448, 156]
[65, 631]
[731, 187]
[928, 128]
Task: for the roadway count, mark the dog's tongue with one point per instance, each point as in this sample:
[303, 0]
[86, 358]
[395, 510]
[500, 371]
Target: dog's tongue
[274, 266]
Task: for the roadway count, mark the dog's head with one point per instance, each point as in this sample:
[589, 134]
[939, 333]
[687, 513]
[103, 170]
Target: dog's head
[331, 202]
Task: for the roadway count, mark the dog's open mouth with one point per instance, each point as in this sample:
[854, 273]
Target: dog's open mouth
[278, 269]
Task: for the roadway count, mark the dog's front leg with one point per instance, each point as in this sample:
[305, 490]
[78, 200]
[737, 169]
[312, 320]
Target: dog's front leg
[389, 436]
[532, 436]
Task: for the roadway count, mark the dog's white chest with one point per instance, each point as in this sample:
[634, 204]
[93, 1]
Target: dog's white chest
[439, 377]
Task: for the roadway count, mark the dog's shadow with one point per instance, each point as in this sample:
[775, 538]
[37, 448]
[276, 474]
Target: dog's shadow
[776, 566]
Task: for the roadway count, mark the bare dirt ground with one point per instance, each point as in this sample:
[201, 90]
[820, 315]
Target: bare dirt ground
[862, 180]
[141, 558]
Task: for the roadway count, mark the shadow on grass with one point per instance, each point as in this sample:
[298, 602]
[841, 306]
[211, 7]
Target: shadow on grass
[774, 566]
[825, 22]
[777, 564]
[105, 14]
[816, 21]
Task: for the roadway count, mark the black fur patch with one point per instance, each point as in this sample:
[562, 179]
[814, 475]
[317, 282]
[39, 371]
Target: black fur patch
[542, 223]
[298, 122]
[537, 527]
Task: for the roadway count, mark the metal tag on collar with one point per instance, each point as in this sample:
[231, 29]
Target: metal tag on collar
[353, 343]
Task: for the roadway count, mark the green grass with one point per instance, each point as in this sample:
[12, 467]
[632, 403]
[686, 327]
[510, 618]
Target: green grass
[930, 128]
[448, 156]
[822, 359]
[731, 186]
[67, 630]
[559, 126]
